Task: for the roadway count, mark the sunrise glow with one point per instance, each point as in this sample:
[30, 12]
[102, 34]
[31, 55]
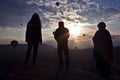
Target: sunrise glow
[75, 29]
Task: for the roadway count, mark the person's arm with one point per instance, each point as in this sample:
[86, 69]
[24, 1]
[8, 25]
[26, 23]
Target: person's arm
[109, 39]
[27, 33]
[95, 38]
[94, 50]
[67, 34]
[40, 32]
[40, 37]
[55, 33]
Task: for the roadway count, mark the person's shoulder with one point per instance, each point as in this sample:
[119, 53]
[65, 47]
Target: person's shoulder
[29, 23]
[107, 31]
[66, 29]
[97, 31]
[57, 29]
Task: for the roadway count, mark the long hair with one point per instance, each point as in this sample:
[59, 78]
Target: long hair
[35, 19]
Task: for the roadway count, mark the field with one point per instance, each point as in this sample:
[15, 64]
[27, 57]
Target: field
[82, 64]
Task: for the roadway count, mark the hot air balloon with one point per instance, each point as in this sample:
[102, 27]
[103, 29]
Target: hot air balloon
[113, 37]
[14, 43]
[57, 3]
[84, 34]
[21, 24]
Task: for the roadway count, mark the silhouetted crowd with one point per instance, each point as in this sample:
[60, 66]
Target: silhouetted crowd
[103, 46]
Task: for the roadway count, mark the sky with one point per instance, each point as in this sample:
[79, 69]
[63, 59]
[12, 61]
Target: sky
[80, 17]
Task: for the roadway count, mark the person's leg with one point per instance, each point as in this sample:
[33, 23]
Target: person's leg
[28, 52]
[106, 68]
[35, 51]
[103, 67]
[105, 71]
[59, 49]
[66, 52]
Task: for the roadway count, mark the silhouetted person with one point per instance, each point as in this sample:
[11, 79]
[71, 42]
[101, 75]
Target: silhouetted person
[61, 35]
[33, 36]
[103, 48]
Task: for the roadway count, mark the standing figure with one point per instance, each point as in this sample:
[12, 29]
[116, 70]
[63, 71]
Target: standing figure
[61, 35]
[103, 49]
[33, 36]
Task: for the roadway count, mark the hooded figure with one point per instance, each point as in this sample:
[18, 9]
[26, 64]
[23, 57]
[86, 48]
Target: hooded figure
[33, 36]
[103, 49]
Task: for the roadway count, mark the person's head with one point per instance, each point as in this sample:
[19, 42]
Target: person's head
[35, 18]
[61, 24]
[101, 26]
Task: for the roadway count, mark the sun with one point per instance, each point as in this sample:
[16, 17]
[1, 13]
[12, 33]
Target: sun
[75, 29]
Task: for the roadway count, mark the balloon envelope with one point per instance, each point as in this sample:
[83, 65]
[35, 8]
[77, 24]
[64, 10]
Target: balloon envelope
[21, 24]
[57, 3]
[84, 34]
[14, 43]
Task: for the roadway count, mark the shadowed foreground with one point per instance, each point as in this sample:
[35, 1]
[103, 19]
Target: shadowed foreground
[82, 65]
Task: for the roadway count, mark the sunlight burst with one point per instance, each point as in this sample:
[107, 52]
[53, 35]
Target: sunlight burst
[75, 29]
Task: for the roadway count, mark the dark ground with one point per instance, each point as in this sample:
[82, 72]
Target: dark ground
[82, 65]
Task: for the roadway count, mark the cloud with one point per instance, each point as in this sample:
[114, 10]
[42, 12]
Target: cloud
[16, 12]
[13, 13]
[12, 33]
